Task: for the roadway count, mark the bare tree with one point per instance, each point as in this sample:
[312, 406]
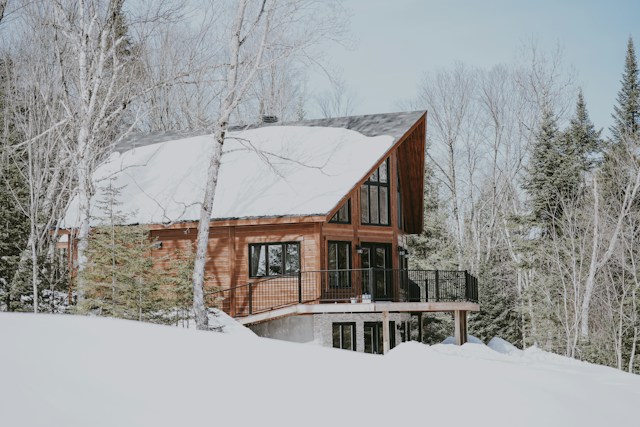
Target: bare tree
[337, 101]
[260, 35]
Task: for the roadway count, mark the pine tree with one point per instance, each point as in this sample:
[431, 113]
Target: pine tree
[627, 111]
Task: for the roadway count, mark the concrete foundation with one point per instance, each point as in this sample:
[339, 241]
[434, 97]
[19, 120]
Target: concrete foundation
[292, 328]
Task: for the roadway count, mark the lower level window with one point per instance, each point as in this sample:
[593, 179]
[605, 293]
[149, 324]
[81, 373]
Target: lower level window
[373, 340]
[274, 259]
[344, 336]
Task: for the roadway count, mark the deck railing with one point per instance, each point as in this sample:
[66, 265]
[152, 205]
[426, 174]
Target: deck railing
[346, 286]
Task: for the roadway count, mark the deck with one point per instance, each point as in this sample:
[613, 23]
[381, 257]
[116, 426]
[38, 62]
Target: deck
[352, 291]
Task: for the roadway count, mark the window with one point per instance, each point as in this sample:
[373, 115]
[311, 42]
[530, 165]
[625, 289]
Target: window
[344, 336]
[374, 197]
[343, 216]
[339, 263]
[373, 337]
[274, 259]
[399, 207]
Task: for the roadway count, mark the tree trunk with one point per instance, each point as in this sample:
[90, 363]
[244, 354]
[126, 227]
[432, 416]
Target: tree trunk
[200, 311]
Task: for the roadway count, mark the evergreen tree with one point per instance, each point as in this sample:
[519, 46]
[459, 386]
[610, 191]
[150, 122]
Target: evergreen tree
[627, 111]
[583, 140]
[14, 226]
[120, 279]
[123, 279]
[542, 181]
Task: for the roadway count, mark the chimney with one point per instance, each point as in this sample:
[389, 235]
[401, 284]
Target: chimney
[269, 119]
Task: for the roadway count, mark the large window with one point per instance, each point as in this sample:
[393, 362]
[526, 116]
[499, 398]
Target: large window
[399, 197]
[274, 259]
[339, 263]
[344, 336]
[343, 216]
[374, 197]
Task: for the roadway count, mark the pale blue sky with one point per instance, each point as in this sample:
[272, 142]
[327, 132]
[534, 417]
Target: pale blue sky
[397, 41]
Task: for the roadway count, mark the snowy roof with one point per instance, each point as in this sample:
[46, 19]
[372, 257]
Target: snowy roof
[296, 169]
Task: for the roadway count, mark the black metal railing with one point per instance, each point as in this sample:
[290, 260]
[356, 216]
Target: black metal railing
[346, 286]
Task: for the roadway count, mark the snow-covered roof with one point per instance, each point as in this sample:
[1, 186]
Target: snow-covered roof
[286, 170]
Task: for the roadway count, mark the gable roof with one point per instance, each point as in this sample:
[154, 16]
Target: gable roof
[289, 169]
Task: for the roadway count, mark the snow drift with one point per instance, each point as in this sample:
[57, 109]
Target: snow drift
[80, 371]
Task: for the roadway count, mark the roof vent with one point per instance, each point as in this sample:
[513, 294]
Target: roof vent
[269, 119]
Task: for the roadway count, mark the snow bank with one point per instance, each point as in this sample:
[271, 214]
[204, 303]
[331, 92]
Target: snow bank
[270, 171]
[503, 346]
[471, 339]
[79, 371]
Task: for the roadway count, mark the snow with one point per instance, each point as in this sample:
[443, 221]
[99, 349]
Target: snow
[502, 346]
[270, 171]
[470, 338]
[78, 371]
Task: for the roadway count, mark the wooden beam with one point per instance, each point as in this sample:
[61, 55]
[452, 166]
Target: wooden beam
[385, 332]
[460, 321]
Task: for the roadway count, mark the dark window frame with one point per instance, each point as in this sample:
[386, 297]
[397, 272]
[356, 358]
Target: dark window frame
[373, 182]
[341, 328]
[283, 259]
[399, 196]
[336, 218]
[340, 271]
[376, 343]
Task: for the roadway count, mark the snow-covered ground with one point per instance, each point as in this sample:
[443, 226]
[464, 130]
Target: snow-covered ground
[81, 371]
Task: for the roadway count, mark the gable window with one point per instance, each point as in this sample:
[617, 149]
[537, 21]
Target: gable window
[374, 197]
[344, 335]
[274, 259]
[399, 197]
[343, 216]
[339, 263]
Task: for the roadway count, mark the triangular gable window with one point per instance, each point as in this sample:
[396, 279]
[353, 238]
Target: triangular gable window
[343, 216]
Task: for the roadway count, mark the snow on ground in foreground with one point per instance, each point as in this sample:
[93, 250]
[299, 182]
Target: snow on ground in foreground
[80, 371]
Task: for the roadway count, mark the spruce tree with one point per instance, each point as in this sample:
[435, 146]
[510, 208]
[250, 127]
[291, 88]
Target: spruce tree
[542, 182]
[120, 279]
[583, 140]
[627, 111]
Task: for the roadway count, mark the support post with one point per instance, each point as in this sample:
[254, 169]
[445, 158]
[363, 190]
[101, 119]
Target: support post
[385, 332]
[460, 322]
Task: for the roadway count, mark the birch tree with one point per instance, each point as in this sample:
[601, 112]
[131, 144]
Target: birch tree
[260, 34]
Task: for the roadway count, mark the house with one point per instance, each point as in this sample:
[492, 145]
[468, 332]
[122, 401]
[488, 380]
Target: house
[308, 237]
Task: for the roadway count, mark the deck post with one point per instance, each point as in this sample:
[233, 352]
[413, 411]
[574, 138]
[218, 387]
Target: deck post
[460, 321]
[385, 332]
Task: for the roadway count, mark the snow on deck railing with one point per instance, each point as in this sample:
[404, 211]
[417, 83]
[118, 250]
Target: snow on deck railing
[345, 286]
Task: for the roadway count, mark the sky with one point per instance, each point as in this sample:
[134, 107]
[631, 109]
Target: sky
[397, 41]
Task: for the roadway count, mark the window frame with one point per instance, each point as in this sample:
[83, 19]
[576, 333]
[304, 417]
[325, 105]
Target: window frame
[283, 259]
[335, 218]
[370, 183]
[338, 271]
[341, 326]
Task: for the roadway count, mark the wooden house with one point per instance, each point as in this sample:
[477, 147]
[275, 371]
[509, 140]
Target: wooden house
[308, 237]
